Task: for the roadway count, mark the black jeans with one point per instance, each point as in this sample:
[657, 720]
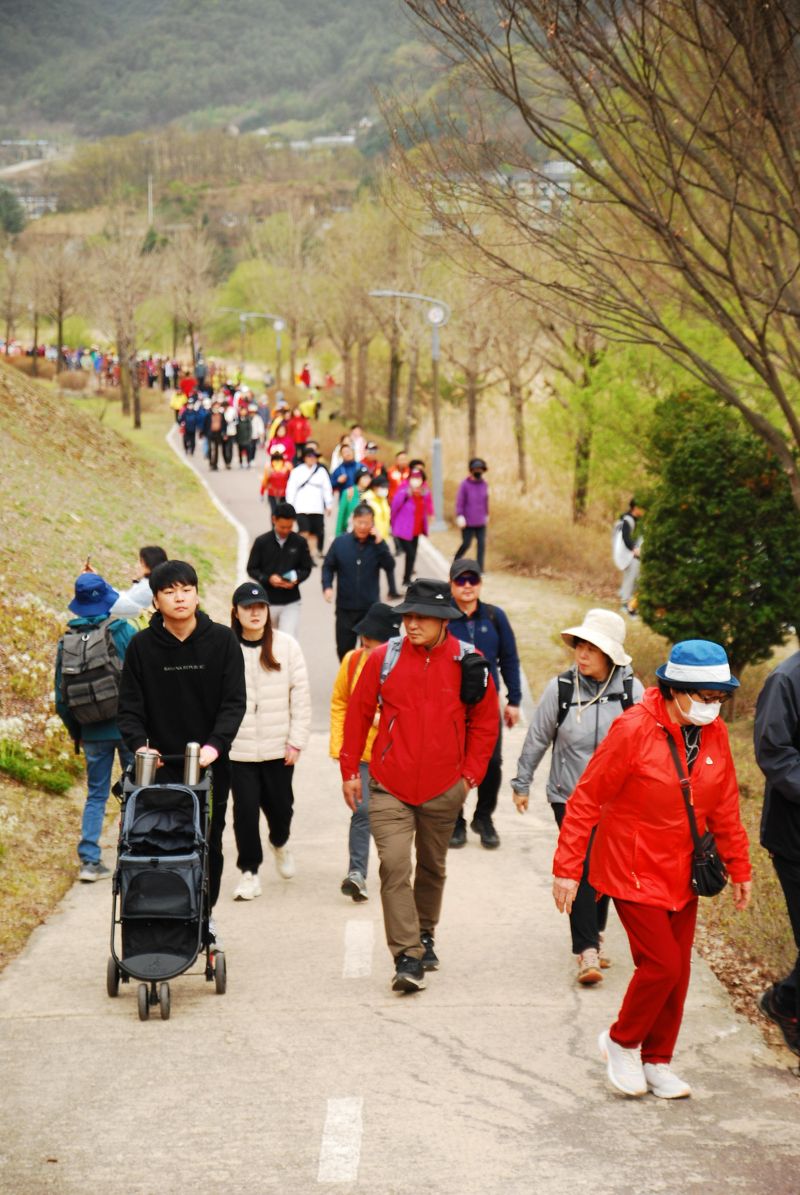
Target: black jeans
[214, 442]
[489, 787]
[188, 442]
[266, 785]
[467, 536]
[409, 548]
[589, 915]
[346, 637]
[788, 989]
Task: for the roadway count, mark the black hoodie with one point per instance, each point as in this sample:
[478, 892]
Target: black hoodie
[175, 692]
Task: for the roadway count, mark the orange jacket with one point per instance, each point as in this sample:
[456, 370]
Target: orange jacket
[350, 670]
[427, 738]
[643, 848]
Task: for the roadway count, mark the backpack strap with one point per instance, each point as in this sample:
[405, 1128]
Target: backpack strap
[566, 686]
[390, 658]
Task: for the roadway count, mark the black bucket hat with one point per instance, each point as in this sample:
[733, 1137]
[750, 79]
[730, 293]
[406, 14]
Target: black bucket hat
[429, 598]
[380, 622]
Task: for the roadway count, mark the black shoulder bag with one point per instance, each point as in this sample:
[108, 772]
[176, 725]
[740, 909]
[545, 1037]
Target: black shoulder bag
[709, 874]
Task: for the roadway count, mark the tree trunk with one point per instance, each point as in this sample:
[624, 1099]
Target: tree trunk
[8, 330]
[60, 361]
[472, 413]
[137, 395]
[347, 382]
[518, 415]
[35, 357]
[580, 483]
[362, 369]
[125, 380]
[395, 366]
[408, 423]
[194, 348]
[175, 330]
[292, 351]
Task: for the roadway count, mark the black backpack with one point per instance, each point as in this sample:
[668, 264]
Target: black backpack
[566, 687]
[90, 673]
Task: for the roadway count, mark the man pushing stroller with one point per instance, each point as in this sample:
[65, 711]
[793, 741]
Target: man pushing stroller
[183, 681]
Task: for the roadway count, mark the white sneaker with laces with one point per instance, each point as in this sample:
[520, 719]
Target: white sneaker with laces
[625, 1070]
[284, 861]
[663, 1083]
[248, 888]
[589, 971]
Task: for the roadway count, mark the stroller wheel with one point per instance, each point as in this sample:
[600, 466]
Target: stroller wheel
[143, 997]
[220, 973]
[112, 977]
[163, 1000]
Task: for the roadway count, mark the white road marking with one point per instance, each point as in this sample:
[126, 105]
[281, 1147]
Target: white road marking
[340, 1151]
[358, 945]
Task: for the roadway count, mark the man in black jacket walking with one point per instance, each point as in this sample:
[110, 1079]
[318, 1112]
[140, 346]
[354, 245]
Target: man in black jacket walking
[183, 682]
[356, 558]
[777, 743]
[280, 560]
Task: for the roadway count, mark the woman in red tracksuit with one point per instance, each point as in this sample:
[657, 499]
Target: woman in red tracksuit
[642, 850]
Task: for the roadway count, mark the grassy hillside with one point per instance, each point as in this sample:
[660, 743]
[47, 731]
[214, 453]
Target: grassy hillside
[71, 485]
[112, 66]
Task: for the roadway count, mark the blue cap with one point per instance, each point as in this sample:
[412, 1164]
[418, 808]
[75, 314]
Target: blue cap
[698, 664]
[93, 596]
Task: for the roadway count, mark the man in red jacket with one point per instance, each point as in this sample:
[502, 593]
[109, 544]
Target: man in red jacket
[435, 738]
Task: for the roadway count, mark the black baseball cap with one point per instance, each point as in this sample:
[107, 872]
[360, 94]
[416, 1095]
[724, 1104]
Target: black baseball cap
[464, 565]
[250, 594]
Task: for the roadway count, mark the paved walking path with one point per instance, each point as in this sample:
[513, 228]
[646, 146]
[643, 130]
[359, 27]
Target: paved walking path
[311, 1075]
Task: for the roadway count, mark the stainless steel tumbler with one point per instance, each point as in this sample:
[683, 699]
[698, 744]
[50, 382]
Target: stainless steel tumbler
[191, 764]
[146, 761]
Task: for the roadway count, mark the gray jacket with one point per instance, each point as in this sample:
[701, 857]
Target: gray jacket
[577, 740]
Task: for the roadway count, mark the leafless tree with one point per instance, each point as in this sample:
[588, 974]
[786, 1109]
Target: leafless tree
[11, 296]
[123, 277]
[187, 268]
[61, 279]
[680, 226]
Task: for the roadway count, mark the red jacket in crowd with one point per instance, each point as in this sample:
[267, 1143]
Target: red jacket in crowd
[630, 790]
[427, 738]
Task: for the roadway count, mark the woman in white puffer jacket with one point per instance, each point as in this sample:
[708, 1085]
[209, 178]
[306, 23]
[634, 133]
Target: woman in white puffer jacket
[273, 732]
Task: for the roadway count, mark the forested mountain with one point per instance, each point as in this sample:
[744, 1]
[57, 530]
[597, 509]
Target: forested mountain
[112, 66]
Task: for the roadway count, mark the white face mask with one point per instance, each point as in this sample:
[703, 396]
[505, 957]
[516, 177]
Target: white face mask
[415, 483]
[701, 713]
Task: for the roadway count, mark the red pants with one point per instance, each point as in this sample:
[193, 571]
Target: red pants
[652, 1010]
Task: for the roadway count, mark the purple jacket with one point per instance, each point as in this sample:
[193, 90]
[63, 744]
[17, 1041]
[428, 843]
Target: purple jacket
[472, 501]
[403, 511]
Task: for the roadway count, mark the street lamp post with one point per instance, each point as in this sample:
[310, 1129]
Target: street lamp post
[437, 315]
[278, 324]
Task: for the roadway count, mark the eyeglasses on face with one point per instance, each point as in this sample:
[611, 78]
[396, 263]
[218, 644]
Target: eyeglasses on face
[710, 697]
[467, 579]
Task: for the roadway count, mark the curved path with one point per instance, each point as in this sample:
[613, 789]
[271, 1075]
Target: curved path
[310, 1075]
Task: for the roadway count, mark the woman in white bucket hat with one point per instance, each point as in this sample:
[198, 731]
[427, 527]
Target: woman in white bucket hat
[574, 715]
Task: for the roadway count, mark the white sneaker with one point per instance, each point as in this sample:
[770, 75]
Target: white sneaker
[625, 1070]
[284, 861]
[663, 1083]
[248, 888]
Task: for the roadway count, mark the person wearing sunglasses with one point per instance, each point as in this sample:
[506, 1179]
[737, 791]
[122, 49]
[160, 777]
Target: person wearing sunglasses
[632, 792]
[487, 628]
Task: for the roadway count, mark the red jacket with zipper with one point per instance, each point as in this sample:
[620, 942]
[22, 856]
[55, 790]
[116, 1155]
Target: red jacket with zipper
[630, 790]
[427, 738]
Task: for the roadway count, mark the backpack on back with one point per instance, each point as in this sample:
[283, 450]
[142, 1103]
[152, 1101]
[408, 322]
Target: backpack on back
[621, 553]
[90, 673]
[566, 688]
[474, 669]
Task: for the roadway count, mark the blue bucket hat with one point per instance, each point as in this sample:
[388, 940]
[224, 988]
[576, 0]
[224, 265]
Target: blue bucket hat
[93, 596]
[698, 664]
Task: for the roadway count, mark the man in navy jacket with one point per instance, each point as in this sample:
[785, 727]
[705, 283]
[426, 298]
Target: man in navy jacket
[356, 559]
[489, 629]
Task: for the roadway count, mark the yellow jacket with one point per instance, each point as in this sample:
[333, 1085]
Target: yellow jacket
[382, 511]
[342, 689]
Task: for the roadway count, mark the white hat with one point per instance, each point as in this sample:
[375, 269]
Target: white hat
[605, 630]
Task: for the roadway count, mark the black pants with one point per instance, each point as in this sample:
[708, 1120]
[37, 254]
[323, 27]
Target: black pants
[227, 451]
[589, 915]
[313, 525]
[188, 442]
[788, 990]
[266, 785]
[214, 441]
[346, 637]
[467, 535]
[409, 549]
[220, 787]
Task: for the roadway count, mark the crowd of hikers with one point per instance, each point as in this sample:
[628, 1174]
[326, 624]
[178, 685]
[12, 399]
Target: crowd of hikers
[641, 781]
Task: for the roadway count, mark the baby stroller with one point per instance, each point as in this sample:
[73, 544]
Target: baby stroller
[160, 892]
